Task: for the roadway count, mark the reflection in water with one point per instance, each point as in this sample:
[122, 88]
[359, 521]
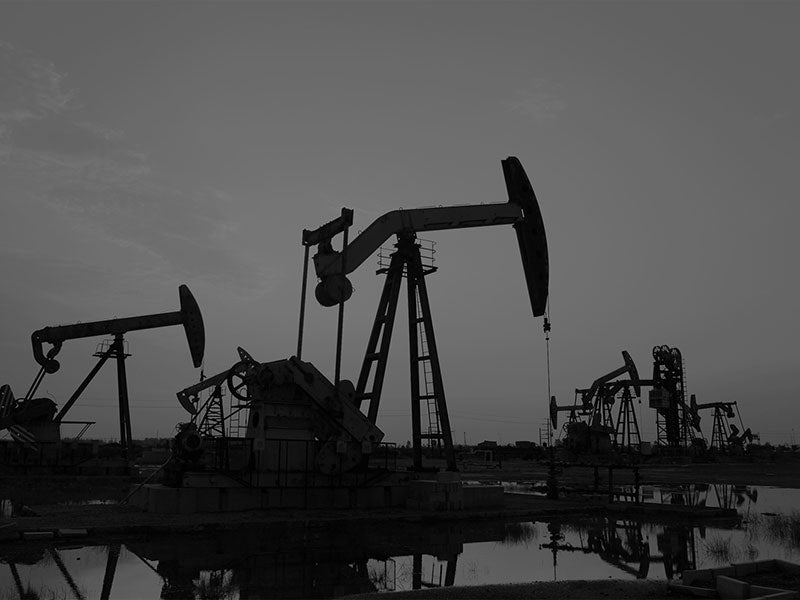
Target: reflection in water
[303, 563]
[678, 550]
[722, 495]
[298, 562]
[618, 543]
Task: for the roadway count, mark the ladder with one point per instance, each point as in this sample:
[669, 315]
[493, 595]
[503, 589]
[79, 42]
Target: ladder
[685, 417]
[719, 432]
[434, 434]
[627, 431]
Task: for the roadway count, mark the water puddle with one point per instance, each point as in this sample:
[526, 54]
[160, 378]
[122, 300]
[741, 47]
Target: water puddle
[282, 562]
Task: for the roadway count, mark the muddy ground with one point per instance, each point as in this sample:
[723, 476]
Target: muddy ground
[783, 473]
[51, 490]
[56, 501]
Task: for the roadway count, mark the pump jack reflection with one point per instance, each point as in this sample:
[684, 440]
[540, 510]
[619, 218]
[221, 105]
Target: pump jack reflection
[304, 563]
[417, 576]
[725, 495]
[279, 562]
[299, 562]
[27, 593]
[621, 544]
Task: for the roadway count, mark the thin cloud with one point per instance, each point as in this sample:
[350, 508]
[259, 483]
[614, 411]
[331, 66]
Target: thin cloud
[541, 102]
[104, 187]
[31, 86]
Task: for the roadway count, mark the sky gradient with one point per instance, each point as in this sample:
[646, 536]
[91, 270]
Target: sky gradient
[145, 145]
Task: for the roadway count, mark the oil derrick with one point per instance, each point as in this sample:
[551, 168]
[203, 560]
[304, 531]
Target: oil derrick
[627, 435]
[427, 388]
[668, 397]
[430, 389]
[213, 422]
[720, 431]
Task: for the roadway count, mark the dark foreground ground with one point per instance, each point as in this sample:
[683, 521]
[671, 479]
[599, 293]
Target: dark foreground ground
[104, 521]
[60, 502]
[557, 590]
[38, 491]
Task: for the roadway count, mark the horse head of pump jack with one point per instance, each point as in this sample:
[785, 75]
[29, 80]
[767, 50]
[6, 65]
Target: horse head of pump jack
[188, 315]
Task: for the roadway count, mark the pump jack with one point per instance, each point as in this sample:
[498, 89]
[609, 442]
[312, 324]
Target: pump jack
[12, 412]
[600, 396]
[331, 266]
[675, 418]
[724, 434]
[596, 404]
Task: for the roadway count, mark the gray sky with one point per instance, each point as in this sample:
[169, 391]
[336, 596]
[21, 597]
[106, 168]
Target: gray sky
[143, 146]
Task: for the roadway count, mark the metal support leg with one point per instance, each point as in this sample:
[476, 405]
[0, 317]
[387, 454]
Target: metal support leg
[416, 572]
[415, 271]
[340, 327]
[111, 568]
[413, 350]
[76, 394]
[380, 339]
[122, 384]
[450, 574]
[35, 385]
[66, 574]
[303, 293]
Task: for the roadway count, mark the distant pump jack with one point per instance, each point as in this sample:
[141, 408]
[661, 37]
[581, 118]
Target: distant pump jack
[188, 316]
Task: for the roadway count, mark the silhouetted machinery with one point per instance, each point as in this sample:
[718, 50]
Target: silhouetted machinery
[299, 425]
[674, 422]
[31, 420]
[332, 267]
[724, 434]
[591, 426]
[26, 420]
